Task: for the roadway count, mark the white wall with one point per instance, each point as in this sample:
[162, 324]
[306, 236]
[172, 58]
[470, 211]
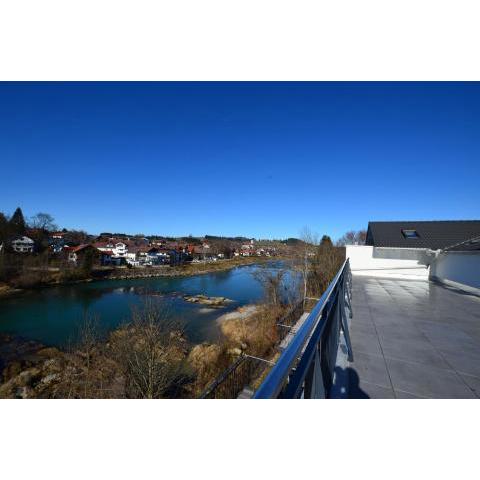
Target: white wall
[460, 269]
[388, 262]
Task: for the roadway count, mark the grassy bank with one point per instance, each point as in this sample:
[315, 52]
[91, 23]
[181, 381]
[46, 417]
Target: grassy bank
[148, 357]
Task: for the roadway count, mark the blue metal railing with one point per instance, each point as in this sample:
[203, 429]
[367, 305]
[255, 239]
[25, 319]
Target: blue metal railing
[306, 367]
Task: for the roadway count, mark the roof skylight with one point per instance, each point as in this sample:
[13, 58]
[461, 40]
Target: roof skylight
[410, 233]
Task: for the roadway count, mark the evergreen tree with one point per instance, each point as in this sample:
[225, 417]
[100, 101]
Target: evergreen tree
[3, 227]
[17, 224]
[326, 241]
[88, 261]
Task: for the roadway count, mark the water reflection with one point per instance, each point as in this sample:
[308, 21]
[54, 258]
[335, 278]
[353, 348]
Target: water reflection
[51, 315]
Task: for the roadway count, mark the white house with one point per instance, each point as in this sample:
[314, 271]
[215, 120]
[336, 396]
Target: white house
[23, 245]
[118, 249]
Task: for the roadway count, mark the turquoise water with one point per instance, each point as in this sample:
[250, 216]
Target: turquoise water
[53, 315]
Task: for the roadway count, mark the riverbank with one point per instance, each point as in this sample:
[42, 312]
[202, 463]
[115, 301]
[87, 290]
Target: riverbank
[101, 367]
[124, 273]
[186, 270]
[7, 290]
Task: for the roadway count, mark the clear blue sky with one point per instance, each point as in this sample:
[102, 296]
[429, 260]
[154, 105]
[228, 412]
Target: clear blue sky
[253, 159]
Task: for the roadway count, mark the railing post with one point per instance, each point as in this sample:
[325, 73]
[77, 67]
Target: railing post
[314, 385]
[349, 289]
[343, 317]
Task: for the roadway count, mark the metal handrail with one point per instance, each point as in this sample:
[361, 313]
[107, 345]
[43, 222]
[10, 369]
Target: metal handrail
[291, 317]
[309, 333]
[219, 380]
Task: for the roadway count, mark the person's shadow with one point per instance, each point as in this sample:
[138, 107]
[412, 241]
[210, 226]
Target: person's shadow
[354, 390]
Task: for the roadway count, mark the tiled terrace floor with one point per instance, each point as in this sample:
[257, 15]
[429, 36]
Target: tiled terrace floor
[413, 339]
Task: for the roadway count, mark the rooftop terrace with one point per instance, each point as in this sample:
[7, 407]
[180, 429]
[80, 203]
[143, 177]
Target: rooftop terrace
[413, 339]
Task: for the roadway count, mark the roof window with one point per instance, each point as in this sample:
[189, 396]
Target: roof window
[410, 233]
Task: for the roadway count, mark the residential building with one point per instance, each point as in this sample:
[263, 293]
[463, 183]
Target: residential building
[23, 245]
[118, 249]
[57, 242]
[105, 257]
[417, 250]
[77, 254]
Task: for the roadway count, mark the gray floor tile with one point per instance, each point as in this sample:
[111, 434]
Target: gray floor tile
[399, 332]
[417, 351]
[400, 394]
[473, 383]
[426, 381]
[370, 368]
[369, 390]
[362, 321]
[448, 336]
[365, 327]
[463, 361]
[365, 342]
[429, 336]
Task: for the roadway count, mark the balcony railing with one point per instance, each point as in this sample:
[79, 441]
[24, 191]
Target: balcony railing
[236, 378]
[305, 369]
[240, 374]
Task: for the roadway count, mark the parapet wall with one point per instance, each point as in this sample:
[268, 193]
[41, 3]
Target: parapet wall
[458, 269]
[388, 262]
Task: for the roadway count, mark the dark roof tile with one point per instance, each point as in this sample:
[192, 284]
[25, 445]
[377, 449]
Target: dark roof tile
[431, 234]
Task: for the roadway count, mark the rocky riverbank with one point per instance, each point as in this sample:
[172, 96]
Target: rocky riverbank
[102, 368]
[6, 290]
[241, 313]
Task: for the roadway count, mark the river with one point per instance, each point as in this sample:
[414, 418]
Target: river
[52, 315]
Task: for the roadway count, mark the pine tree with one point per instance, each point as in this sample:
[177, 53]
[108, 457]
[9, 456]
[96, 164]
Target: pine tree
[3, 228]
[326, 241]
[17, 223]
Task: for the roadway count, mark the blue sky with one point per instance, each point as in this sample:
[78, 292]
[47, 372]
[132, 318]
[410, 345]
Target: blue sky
[253, 159]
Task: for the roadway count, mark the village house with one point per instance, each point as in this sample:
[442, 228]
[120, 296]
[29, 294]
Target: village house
[200, 253]
[105, 257]
[23, 245]
[118, 249]
[57, 242]
[76, 255]
[248, 249]
[136, 255]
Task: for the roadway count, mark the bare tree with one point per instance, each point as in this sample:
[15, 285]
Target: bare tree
[352, 237]
[304, 253]
[88, 340]
[43, 221]
[151, 354]
[84, 370]
[272, 280]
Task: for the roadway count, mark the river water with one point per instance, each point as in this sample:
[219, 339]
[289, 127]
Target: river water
[52, 315]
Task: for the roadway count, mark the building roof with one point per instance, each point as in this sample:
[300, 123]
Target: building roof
[101, 244]
[23, 239]
[423, 234]
[471, 245]
[79, 248]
